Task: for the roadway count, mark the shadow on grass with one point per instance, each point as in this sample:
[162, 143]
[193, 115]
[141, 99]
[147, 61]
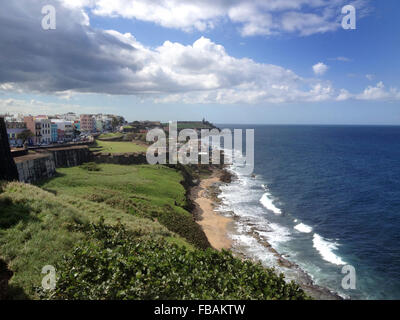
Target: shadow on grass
[41, 182]
[16, 293]
[14, 212]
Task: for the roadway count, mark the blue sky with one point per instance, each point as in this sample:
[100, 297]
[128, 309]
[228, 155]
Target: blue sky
[227, 61]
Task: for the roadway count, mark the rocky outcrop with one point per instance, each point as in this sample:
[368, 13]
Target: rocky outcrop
[8, 170]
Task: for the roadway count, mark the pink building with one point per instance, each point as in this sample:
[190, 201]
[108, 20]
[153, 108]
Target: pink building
[88, 123]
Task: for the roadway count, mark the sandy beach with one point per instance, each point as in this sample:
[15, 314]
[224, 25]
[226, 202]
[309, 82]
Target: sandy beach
[217, 229]
[215, 226]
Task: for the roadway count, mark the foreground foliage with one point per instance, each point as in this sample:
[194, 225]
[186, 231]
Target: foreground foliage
[35, 230]
[115, 264]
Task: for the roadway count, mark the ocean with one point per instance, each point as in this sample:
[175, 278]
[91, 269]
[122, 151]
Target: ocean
[323, 197]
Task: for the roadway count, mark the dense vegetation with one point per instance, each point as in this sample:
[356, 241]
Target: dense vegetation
[113, 264]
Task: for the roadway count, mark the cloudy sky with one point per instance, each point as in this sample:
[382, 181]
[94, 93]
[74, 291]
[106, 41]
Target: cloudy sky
[231, 61]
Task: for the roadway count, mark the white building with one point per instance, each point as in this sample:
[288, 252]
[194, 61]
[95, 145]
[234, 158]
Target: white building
[45, 130]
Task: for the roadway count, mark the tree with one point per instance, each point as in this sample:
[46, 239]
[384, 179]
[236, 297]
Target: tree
[25, 135]
[114, 122]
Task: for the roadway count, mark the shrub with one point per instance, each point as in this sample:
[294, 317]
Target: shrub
[90, 166]
[114, 264]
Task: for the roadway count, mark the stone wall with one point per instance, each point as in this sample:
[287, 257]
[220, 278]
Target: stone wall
[32, 168]
[120, 158]
[43, 163]
[69, 156]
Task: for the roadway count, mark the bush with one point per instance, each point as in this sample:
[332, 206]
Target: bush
[90, 166]
[114, 264]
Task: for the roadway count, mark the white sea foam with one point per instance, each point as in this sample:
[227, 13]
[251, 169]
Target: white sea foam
[303, 228]
[326, 248]
[276, 234]
[267, 202]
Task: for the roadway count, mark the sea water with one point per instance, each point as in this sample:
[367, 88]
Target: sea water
[323, 197]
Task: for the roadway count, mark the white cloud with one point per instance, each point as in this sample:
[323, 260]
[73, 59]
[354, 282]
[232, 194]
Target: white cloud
[370, 77]
[379, 93]
[341, 59]
[35, 107]
[320, 68]
[344, 95]
[253, 17]
[87, 60]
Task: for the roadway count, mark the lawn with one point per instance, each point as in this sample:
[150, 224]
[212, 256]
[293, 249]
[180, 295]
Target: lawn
[146, 191]
[117, 147]
[111, 135]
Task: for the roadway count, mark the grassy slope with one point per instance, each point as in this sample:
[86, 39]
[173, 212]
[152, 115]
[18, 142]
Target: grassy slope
[111, 135]
[117, 147]
[153, 192]
[35, 225]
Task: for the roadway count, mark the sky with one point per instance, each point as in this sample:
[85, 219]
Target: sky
[229, 61]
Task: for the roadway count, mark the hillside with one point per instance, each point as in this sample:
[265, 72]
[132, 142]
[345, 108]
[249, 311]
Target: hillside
[120, 232]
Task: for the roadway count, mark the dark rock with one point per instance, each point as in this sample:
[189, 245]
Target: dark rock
[8, 170]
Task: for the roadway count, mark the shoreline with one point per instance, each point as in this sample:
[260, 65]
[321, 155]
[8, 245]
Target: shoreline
[214, 225]
[218, 227]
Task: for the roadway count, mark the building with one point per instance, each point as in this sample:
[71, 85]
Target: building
[40, 127]
[99, 125]
[54, 132]
[14, 129]
[45, 130]
[77, 125]
[65, 129]
[60, 135]
[88, 123]
[34, 128]
[70, 116]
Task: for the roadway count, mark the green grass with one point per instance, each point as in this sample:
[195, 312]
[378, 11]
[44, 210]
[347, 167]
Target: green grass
[111, 135]
[117, 147]
[35, 230]
[153, 192]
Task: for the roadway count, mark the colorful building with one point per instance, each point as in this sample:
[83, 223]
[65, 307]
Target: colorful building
[88, 123]
[54, 132]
